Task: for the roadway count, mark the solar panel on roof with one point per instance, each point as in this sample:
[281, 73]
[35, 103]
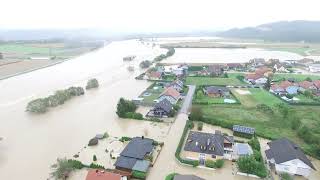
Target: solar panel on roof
[243, 129]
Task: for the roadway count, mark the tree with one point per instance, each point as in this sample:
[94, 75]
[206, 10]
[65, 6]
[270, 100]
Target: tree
[285, 176]
[267, 85]
[200, 126]
[254, 143]
[145, 64]
[308, 79]
[125, 106]
[92, 83]
[200, 94]
[38, 105]
[308, 94]
[94, 158]
[62, 169]
[196, 114]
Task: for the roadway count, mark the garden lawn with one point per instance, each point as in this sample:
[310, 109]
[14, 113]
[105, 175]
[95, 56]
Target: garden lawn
[246, 99]
[199, 81]
[298, 77]
[154, 95]
[303, 99]
[264, 97]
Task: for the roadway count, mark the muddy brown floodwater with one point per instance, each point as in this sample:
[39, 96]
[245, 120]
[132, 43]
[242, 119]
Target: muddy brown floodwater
[31, 143]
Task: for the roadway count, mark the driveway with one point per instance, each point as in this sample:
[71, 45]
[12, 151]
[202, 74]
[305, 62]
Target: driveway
[188, 100]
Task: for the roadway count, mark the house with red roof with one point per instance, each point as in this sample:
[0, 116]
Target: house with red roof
[307, 85]
[171, 94]
[154, 75]
[255, 78]
[96, 174]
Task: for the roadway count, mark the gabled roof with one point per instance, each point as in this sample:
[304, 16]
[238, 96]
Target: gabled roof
[96, 174]
[207, 143]
[170, 91]
[243, 129]
[125, 162]
[216, 89]
[317, 83]
[187, 177]
[138, 147]
[277, 88]
[177, 82]
[164, 105]
[155, 74]
[306, 84]
[254, 76]
[283, 150]
[285, 84]
[262, 70]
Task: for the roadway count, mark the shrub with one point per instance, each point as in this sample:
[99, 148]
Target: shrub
[196, 114]
[214, 164]
[200, 126]
[248, 164]
[170, 176]
[145, 64]
[254, 143]
[125, 138]
[94, 158]
[257, 155]
[154, 119]
[134, 115]
[264, 108]
[92, 83]
[76, 164]
[139, 175]
[210, 164]
[62, 169]
[219, 163]
[96, 166]
[285, 176]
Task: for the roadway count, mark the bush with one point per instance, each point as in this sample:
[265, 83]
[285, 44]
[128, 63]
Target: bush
[76, 164]
[196, 114]
[200, 126]
[94, 158]
[125, 138]
[219, 163]
[92, 83]
[285, 176]
[134, 115]
[170, 176]
[145, 64]
[254, 143]
[154, 119]
[139, 175]
[249, 165]
[96, 166]
[214, 164]
[38, 106]
[257, 156]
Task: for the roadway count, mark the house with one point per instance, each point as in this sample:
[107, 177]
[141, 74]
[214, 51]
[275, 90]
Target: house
[280, 68]
[234, 66]
[177, 85]
[208, 146]
[133, 157]
[171, 94]
[242, 149]
[154, 75]
[314, 68]
[243, 131]
[161, 109]
[255, 79]
[203, 72]
[278, 90]
[316, 83]
[216, 91]
[215, 70]
[257, 62]
[307, 85]
[264, 71]
[178, 70]
[286, 157]
[186, 177]
[96, 174]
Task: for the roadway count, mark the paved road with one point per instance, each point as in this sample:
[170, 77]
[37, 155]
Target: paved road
[188, 100]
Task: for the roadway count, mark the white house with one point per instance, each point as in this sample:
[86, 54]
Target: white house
[314, 68]
[286, 157]
[280, 68]
[256, 79]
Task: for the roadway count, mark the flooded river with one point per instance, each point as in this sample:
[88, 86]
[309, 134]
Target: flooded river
[33, 142]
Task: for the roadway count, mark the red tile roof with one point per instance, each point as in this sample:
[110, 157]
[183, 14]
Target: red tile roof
[155, 74]
[263, 70]
[306, 84]
[254, 76]
[317, 83]
[170, 91]
[285, 84]
[102, 175]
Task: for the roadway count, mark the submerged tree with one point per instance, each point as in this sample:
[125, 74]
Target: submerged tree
[92, 83]
[62, 169]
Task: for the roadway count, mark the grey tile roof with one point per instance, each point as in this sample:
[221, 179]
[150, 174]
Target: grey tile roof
[216, 89]
[125, 162]
[243, 149]
[283, 150]
[187, 177]
[164, 105]
[206, 143]
[138, 148]
[243, 129]
[141, 165]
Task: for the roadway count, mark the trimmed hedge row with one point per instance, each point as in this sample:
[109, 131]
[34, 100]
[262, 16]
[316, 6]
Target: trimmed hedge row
[193, 163]
[139, 175]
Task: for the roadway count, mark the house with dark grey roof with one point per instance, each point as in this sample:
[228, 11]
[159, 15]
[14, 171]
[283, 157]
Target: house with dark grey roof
[186, 177]
[161, 109]
[242, 149]
[208, 146]
[285, 156]
[133, 157]
[177, 85]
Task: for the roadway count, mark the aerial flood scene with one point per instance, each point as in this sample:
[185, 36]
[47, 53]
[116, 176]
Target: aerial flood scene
[90, 97]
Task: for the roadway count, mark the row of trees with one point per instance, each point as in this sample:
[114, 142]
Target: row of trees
[126, 109]
[145, 64]
[41, 105]
[169, 53]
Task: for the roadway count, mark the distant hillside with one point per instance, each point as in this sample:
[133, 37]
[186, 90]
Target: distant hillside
[287, 31]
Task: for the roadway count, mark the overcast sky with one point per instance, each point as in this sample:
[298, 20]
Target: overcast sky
[152, 15]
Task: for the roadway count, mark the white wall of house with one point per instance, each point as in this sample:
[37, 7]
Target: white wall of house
[169, 98]
[295, 166]
[261, 81]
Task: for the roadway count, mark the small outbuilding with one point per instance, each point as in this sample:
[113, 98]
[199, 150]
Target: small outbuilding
[243, 131]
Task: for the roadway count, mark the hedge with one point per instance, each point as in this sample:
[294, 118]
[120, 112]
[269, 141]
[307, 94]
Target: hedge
[214, 164]
[139, 175]
[170, 176]
[125, 138]
[193, 163]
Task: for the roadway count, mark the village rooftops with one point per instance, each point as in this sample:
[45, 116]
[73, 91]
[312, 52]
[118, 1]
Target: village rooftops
[187, 177]
[96, 174]
[164, 105]
[283, 150]
[306, 84]
[207, 143]
[243, 129]
[170, 91]
[317, 83]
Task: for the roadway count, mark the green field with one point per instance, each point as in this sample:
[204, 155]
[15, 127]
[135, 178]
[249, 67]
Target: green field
[298, 77]
[256, 96]
[199, 81]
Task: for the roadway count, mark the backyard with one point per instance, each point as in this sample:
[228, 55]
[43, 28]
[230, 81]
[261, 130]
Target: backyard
[199, 81]
[151, 93]
[200, 98]
[297, 77]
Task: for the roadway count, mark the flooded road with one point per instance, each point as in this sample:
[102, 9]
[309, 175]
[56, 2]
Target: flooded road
[32, 142]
